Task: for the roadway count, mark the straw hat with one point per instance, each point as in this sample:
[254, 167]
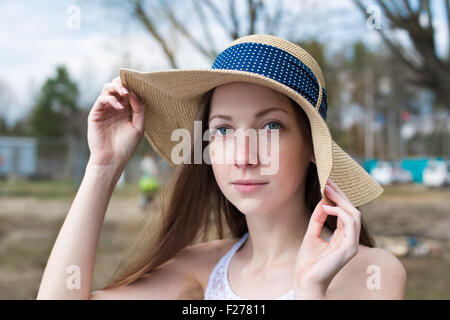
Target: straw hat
[173, 96]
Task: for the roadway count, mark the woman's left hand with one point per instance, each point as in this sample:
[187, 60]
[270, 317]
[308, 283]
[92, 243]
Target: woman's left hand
[318, 261]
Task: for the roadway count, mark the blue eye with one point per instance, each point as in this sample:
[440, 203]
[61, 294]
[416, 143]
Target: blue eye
[222, 131]
[277, 125]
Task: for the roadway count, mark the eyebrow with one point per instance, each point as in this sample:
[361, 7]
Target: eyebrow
[257, 115]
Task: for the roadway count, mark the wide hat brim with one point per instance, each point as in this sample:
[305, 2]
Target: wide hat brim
[172, 97]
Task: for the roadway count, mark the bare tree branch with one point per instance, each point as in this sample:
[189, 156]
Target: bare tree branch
[392, 17]
[409, 8]
[434, 72]
[394, 46]
[203, 21]
[421, 5]
[273, 23]
[252, 12]
[399, 52]
[398, 9]
[429, 15]
[219, 16]
[145, 19]
[209, 53]
[234, 19]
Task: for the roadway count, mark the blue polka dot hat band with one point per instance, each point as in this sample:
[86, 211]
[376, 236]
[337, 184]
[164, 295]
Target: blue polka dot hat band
[276, 64]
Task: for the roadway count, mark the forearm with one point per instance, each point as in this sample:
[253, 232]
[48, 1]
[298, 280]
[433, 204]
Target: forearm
[76, 244]
[304, 291]
[310, 295]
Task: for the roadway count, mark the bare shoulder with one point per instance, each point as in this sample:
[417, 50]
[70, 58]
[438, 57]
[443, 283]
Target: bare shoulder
[204, 257]
[374, 273]
[183, 277]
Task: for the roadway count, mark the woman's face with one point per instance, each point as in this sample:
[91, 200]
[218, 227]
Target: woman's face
[233, 106]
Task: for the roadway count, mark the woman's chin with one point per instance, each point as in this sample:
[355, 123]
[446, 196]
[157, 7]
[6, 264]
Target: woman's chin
[252, 207]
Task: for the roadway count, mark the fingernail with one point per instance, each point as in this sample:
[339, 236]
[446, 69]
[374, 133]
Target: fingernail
[329, 188]
[326, 206]
[118, 104]
[124, 90]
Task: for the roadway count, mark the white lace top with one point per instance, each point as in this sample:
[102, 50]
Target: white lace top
[218, 287]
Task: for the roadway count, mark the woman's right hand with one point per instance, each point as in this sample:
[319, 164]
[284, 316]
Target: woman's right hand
[114, 132]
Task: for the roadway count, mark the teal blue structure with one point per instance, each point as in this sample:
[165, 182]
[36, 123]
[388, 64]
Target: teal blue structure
[369, 164]
[414, 165]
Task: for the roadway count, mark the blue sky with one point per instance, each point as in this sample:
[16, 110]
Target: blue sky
[35, 38]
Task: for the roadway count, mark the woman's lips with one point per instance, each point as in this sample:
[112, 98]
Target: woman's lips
[249, 188]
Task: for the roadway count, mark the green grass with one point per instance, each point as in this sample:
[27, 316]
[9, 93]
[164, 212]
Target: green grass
[53, 189]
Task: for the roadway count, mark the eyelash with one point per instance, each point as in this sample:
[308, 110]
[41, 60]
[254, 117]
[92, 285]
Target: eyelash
[217, 129]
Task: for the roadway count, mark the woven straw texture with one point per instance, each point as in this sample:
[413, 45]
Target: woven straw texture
[172, 98]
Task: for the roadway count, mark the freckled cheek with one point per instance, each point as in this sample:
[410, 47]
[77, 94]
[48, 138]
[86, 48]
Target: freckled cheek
[290, 161]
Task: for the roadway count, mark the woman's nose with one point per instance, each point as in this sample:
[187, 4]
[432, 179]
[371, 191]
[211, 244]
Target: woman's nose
[246, 152]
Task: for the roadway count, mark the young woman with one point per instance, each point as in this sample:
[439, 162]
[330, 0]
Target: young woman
[285, 242]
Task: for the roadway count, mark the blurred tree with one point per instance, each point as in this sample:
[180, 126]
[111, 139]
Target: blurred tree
[419, 54]
[331, 68]
[55, 106]
[22, 127]
[3, 126]
[377, 83]
[6, 100]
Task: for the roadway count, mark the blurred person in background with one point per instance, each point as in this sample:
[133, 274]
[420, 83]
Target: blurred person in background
[148, 183]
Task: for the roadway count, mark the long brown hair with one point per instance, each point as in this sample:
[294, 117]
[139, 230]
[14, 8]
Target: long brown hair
[194, 209]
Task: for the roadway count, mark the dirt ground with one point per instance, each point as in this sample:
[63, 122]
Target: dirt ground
[29, 226]
[402, 212]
